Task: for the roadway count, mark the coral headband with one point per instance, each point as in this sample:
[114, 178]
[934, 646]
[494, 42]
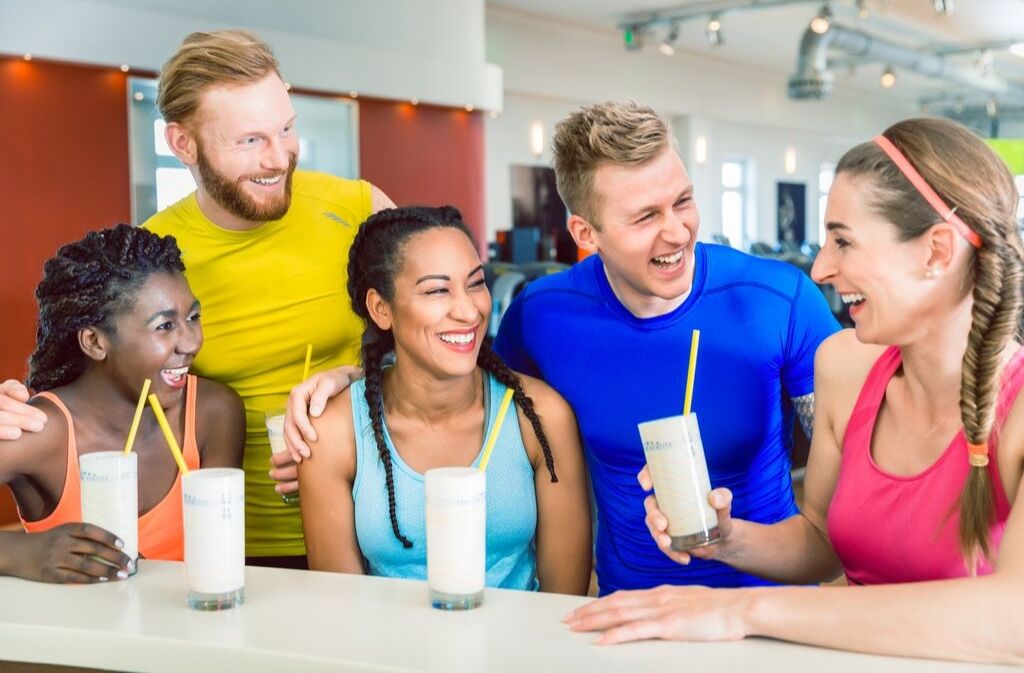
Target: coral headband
[924, 189]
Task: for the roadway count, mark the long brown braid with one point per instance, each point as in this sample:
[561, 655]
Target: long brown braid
[375, 259]
[967, 175]
[87, 284]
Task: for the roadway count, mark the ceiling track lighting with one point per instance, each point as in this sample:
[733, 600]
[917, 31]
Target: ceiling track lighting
[888, 79]
[821, 23]
[714, 32]
[668, 45]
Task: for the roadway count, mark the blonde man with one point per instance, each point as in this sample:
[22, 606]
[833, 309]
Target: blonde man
[612, 335]
[265, 246]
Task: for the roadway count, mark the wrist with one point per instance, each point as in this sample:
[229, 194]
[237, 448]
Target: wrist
[731, 549]
[12, 553]
[755, 606]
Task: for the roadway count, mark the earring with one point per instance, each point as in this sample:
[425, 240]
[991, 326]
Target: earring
[932, 272]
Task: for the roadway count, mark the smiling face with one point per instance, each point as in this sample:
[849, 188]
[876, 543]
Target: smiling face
[157, 338]
[246, 149]
[645, 231]
[441, 304]
[893, 287]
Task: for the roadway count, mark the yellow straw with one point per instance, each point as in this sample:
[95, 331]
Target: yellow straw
[172, 443]
[138, 417]
[309, 358]
[493, 437]
[691, 372]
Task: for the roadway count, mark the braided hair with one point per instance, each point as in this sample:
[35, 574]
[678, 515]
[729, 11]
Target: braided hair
[969, 176]
[88, 284]
[374, 261]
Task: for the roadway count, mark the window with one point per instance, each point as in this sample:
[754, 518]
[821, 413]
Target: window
[826, 174]
[735, 198]
[327, 143]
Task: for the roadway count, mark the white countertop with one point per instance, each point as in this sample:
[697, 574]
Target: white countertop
[307, 621]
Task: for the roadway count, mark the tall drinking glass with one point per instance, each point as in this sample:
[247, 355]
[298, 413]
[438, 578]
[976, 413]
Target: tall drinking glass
[110, 496]
[456, 511]
[214, 502]
[675, 458]
[275, 433]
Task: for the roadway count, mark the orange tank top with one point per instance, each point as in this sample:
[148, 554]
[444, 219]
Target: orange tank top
[161, 529]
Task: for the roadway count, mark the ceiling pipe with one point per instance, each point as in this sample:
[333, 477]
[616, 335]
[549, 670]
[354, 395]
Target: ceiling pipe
[813, 79]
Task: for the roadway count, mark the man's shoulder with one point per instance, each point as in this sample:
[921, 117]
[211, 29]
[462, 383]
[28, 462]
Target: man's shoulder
[731, 268]
[329, 189]
[577, 280]
[172, 220]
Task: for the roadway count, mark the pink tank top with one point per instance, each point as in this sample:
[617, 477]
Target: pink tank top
[887, 528]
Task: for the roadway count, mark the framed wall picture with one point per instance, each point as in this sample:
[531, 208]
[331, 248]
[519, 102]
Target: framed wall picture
[791, 213]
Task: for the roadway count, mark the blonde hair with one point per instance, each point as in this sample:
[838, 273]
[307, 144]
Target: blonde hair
[969, 176]
[209, 59]
[607, 133]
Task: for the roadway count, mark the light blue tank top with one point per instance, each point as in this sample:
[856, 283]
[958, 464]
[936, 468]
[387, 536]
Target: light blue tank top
[511, 502]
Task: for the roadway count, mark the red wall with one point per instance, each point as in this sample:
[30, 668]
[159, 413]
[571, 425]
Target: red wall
[425, 155]
[65, 155]
[66, 170]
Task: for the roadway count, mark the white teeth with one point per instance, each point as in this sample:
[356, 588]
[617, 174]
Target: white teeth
[461, 339]
[852, 298]
[176, 373]
[669, 259]
[267, 181]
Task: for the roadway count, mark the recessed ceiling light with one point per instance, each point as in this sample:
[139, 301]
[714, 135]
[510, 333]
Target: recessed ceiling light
[124, 67]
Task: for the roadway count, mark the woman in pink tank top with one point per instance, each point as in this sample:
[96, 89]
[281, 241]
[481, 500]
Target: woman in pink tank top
[114, 310]
[918, 449]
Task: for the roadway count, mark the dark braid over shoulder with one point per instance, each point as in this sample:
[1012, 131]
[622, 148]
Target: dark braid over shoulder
[88, 283]
[490, 361]
[374, 260]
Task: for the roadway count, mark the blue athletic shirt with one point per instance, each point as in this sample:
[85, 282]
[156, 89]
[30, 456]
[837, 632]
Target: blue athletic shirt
[760, 322]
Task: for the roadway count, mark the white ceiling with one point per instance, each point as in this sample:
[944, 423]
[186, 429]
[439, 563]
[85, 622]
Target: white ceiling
[768, 38]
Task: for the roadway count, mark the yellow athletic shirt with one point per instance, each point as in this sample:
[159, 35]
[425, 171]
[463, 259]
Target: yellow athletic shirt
[265, 294]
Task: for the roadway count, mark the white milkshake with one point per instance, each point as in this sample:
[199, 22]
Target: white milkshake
[675, 458]
[275, 433]
[456, 513]
[110, 496]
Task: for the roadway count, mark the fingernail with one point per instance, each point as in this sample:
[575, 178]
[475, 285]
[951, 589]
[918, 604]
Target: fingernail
[119, 543]
[122, 574]
[103, 578]
[316, 410]
[35, 426]
[304, 452]
[131, 565]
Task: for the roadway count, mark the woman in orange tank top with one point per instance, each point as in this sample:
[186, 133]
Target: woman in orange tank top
[114, 310]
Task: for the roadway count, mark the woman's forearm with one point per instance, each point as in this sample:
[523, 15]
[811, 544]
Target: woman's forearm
[976, 619]
[791, 551]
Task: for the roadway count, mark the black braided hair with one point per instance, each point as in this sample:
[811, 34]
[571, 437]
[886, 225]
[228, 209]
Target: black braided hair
[374, 260]
[88, 284]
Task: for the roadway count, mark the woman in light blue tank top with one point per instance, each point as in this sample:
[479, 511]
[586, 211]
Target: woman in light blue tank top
[416, 280]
